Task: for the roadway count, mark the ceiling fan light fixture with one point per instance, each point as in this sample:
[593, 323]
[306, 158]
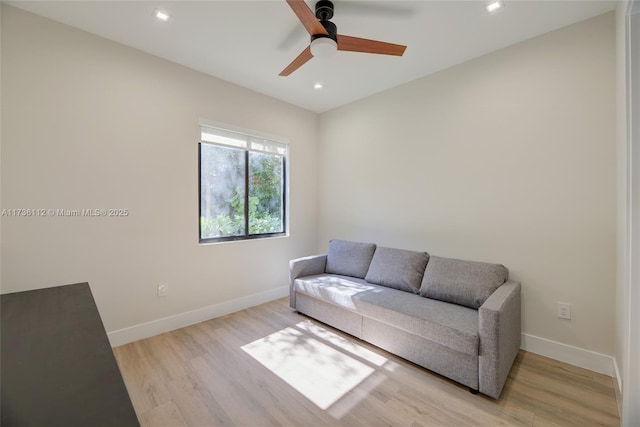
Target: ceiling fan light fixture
[323, 47]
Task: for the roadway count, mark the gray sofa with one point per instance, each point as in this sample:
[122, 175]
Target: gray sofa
[458, 318]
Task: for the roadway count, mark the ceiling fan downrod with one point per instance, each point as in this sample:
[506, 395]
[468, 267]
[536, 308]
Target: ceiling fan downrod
[324, 12]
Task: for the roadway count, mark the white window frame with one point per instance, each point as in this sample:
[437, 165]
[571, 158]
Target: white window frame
[228, 136]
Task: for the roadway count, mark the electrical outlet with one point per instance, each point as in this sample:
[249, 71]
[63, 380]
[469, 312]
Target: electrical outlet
[163, 290]
[564, 310]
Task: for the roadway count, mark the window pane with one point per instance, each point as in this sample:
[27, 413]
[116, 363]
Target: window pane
[222, 191]
[266, 189]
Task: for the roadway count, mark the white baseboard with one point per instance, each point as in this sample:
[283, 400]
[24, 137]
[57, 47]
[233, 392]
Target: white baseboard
[166, 324]
[617, 376]
[618, 386]
[576, 356]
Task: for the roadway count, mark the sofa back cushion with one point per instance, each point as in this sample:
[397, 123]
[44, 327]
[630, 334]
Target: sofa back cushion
[349, 258]
[397, 268]
[461, 282]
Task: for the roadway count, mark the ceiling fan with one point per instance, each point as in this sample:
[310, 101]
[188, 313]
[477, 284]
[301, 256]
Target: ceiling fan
[325, 39]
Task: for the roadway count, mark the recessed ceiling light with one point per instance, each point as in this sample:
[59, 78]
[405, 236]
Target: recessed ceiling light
[494, 5]
[163, 16]
[318, 86]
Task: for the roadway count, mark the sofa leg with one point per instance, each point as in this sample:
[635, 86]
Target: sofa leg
[473, 390]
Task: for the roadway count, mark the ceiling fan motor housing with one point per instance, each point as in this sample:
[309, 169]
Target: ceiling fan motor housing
[324, 12]
[331, 29]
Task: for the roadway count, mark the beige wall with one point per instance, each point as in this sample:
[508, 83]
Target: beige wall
[508, 158]
[93, 124]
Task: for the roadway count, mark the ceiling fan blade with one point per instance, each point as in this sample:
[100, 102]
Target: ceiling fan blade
[307, 17]
[298, 62]
[356, 44]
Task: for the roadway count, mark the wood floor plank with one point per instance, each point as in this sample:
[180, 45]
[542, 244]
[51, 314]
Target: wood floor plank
[571, 396]
[202, 376]
[185, 392]
[199, 333]
[146, 387]
[165, 415]
[185, 345]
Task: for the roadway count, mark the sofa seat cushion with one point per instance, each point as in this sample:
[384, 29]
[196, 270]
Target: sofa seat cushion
[349, 258]
[333, 288]
[397, 268]
[450, 325]
[461, 282]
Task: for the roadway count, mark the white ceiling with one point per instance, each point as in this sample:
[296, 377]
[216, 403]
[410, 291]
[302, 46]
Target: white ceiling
[250, 42]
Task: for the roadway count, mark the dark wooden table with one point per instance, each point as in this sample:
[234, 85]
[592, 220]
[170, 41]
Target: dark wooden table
[57, 367]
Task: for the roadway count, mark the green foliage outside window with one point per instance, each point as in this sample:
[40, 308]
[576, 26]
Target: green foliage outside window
[223, 187]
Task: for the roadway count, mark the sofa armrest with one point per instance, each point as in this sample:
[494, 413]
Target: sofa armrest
[307, 266]
[499, 325]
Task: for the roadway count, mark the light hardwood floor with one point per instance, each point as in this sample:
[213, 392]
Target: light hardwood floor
[267, 365]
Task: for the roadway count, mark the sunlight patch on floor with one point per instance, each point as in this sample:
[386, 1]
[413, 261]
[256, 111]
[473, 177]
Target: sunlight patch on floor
[352, 399]
[320, 372]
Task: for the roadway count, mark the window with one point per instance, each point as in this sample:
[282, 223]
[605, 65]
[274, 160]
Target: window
[242, 186]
